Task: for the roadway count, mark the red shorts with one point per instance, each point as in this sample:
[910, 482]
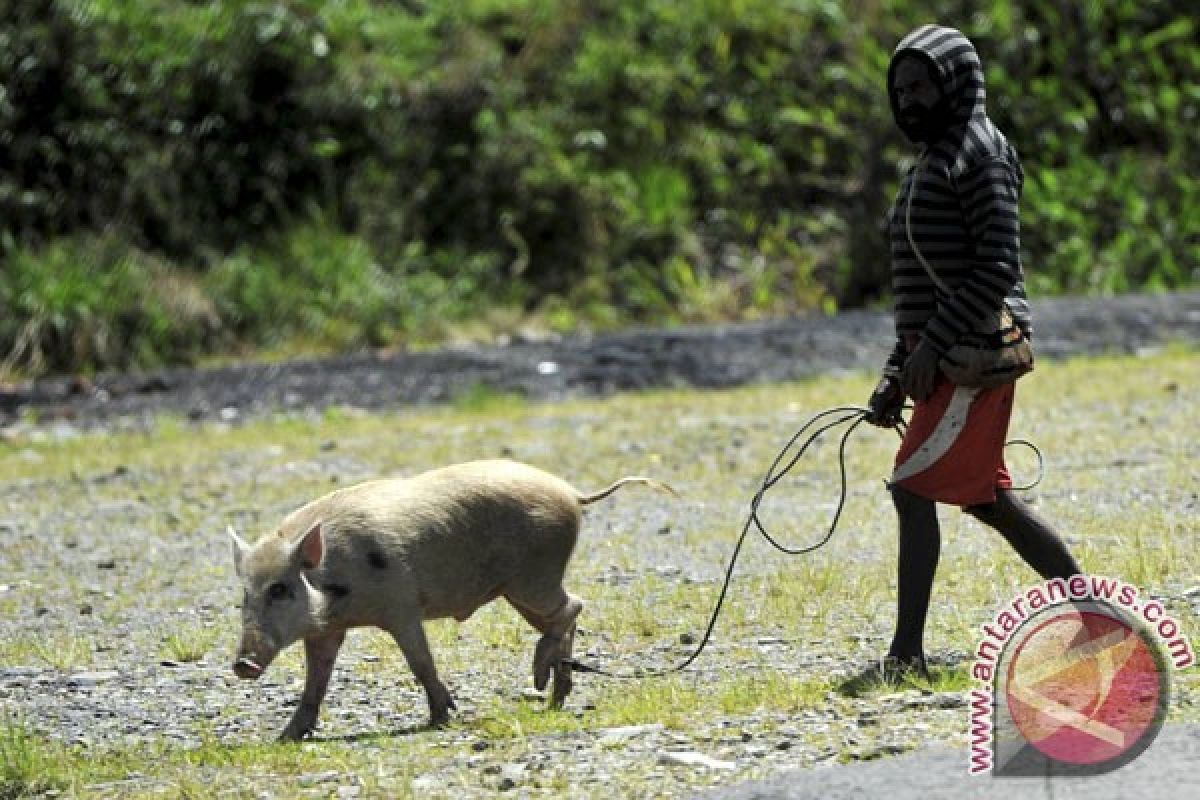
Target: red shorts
[953, 451]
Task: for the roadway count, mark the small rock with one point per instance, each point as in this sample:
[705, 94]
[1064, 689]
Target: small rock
[687, 639]
[316, 778]
[10, 673]
[107, 563]
[81, 679]
[424, 783]
[950, 700]
[693, 759]
[873, 753]
[617, 735]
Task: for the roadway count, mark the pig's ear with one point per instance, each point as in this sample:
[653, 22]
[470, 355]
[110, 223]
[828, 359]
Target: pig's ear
[239, 548]
[311, 549]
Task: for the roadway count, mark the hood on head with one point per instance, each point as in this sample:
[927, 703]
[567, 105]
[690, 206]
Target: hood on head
[955, 65]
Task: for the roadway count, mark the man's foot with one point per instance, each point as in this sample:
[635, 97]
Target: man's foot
[888, 672]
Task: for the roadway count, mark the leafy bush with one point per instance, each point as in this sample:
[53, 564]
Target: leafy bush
[311, 283]
[89, 302]
[190, 127]
[362, 173]
[315, 285]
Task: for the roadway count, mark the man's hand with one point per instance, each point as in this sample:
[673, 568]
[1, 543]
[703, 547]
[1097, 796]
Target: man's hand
[920, 372]
[886, 403]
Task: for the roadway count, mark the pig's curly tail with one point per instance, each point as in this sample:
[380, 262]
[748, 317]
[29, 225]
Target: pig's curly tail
[658, 486]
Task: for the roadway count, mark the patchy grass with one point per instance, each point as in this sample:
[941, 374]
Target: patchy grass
[30, 764]
[479, 398]
[191, 643]
[64, 651]
[136, 522]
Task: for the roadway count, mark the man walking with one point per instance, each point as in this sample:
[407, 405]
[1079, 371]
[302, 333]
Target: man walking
[955, 243]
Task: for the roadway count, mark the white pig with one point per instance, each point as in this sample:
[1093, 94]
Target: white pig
[392, 553]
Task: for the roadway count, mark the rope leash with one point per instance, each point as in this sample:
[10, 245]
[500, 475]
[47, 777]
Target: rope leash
[1041, 463]
[855, 416]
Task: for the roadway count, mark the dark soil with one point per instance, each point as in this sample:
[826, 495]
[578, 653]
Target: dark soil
[547, 370]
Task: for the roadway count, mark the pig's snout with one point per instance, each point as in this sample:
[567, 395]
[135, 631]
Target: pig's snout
[247, 669]
[255, 652]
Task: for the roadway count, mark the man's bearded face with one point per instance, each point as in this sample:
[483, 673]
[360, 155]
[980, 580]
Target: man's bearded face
[922, 112]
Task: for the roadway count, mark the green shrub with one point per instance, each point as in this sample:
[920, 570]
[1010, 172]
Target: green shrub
[29, 764]
[311, 283]
[187, 127]
[87, 303]
[588, 162]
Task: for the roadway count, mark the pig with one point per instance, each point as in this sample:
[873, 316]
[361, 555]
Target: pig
[392, 553]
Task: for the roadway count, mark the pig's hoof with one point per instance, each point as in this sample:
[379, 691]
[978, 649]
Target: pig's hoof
[544, 656]
[562, 686]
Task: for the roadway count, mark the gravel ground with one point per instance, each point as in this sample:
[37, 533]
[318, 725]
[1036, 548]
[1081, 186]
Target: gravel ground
[158, 700]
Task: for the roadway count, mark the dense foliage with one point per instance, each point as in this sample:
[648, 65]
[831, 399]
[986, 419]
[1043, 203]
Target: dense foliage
[182, 178]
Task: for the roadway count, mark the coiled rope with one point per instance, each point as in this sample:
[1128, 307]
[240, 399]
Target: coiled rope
[784, 463]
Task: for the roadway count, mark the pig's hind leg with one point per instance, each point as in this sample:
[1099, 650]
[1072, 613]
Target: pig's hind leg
[319, 654]
[555, 618]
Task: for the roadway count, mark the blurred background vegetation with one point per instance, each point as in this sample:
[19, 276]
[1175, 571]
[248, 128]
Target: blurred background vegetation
[182, 180]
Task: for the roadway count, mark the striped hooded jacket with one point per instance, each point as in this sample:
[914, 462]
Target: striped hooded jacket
[964, 209]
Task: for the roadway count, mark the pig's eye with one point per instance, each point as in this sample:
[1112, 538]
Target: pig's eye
[278, 591]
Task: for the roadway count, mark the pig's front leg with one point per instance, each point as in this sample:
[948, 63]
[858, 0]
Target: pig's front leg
[411, 638]
[319, 654]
